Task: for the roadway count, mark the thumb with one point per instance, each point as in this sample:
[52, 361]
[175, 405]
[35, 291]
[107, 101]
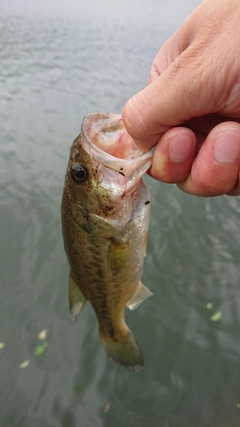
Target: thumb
[183, 91]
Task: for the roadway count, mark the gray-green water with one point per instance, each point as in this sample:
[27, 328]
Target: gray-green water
[58, 61]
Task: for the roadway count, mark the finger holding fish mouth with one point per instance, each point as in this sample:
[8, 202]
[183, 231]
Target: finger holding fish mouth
[190, 109]
[199, 164]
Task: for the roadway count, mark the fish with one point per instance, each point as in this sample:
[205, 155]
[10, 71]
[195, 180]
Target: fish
[105, 221]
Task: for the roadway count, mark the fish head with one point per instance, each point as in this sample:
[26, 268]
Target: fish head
[105, 169]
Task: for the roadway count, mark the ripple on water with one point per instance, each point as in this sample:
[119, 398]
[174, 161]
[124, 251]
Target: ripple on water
[144, 396]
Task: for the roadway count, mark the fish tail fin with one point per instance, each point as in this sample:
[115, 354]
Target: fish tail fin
[124, 350]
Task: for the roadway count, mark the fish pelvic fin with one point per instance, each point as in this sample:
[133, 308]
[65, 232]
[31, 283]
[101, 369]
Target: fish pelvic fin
[124, 350]
[140, 295]
[76, 298]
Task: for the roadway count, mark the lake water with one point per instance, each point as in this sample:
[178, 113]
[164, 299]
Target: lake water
[60, 60]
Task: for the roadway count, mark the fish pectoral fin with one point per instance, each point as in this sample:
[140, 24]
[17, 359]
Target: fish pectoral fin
[145, 244]
[76, 298]
[140, 295]
[118, 255]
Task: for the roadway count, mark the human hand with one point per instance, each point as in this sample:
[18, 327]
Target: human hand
[191, 107]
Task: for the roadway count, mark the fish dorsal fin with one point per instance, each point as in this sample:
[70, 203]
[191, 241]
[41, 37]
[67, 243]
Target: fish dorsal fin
[76, 298]
[140, 295]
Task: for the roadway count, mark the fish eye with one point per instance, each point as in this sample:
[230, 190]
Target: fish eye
[78, 173]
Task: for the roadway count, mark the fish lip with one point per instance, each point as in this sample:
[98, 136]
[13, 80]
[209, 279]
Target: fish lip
[124, 167]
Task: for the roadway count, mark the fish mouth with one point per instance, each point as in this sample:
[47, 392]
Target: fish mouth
[107, 142]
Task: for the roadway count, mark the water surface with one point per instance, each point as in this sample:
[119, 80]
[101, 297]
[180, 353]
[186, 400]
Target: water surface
[59, 61]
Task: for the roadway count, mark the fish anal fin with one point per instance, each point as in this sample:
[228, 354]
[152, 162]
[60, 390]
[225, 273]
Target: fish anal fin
[140, 295]
[76, 298]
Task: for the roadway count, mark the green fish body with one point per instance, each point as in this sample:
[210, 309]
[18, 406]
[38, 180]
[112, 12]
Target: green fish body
[105, 220]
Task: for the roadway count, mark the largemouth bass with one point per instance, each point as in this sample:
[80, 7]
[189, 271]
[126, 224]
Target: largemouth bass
[105, 220]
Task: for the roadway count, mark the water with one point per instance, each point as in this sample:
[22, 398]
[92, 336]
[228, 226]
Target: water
[60, 60]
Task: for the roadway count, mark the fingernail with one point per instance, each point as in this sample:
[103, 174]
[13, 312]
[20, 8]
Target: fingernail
[179, 149]
[226, 147]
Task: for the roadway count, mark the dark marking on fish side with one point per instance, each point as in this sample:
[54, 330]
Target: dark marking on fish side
[121, 173]
[147, 202]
